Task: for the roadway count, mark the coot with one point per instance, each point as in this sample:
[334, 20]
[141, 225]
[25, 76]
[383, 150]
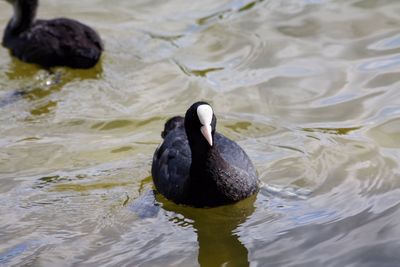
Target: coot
[49, 43]
[197, 166]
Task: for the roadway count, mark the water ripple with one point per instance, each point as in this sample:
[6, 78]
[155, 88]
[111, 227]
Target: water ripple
[309, 89]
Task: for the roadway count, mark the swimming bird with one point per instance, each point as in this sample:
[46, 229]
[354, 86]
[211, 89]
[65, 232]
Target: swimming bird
[49, 43]
[197, 166]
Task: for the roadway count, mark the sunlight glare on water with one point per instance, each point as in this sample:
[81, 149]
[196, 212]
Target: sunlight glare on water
[309, 88]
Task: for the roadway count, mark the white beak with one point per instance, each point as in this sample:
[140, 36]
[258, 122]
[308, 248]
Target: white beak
[205, 114]
[206, 131]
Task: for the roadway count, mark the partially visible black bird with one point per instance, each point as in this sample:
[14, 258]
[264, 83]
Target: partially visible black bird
[49, 43]
[197, 166]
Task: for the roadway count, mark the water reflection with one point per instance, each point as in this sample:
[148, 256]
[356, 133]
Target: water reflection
[309, 88]
[217, 230]
[40, 84]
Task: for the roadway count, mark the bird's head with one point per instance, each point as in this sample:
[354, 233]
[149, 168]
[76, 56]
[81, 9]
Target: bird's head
[200, 123]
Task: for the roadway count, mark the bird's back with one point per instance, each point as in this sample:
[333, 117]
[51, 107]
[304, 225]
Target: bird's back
[171, 161]
[56, 42]
[232, 153]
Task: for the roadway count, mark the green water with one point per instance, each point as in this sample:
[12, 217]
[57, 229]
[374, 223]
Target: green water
[309, 88]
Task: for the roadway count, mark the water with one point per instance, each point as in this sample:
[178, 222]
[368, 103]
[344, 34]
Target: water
[309, 88]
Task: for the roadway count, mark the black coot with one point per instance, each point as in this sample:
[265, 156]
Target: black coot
[197, 166]
[49, 43]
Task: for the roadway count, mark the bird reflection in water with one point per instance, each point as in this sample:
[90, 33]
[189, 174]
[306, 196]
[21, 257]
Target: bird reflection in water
[42, 83]
[216, 228]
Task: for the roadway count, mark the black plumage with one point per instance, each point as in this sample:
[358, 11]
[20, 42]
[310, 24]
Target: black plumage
[49, 43]
[188, 170]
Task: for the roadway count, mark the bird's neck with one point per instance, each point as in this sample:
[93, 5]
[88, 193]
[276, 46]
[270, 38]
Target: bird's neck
[24, 15]
[200, 157]
[205, 172]
[201, 151]
[203, 163]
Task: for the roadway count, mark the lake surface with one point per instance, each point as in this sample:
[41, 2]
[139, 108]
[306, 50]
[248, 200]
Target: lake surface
[309, 88]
